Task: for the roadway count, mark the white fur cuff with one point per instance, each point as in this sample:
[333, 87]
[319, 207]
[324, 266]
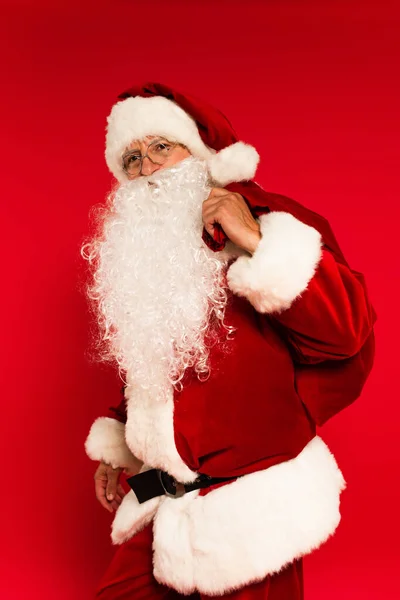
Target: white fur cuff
[282, 265]
[106, 442]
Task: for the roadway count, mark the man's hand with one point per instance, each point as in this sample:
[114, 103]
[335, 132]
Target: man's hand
[232, 213]
[109, 492]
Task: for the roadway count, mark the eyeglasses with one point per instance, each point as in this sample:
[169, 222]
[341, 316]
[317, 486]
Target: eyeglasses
[158, 152]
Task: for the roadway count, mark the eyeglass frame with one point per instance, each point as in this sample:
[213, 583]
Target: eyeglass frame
[143, 156]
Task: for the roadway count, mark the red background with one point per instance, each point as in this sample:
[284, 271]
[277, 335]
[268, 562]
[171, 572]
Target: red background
[314, 85]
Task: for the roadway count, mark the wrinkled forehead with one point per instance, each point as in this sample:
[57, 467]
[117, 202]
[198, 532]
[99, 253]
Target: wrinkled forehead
[146, 141]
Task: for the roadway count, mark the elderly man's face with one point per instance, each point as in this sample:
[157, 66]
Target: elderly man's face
[163, 154]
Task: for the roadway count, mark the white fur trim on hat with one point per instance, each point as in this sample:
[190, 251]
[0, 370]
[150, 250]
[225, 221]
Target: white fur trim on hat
[282, 265]
[106, 442]
[237, 162]
[135, 118]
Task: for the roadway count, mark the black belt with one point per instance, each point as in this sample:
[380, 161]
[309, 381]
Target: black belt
[154, 482]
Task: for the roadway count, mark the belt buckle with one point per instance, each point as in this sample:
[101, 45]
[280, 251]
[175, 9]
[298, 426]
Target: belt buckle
[172, 488]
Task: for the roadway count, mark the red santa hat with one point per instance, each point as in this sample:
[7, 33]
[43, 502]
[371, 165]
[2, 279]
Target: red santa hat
[157, 109]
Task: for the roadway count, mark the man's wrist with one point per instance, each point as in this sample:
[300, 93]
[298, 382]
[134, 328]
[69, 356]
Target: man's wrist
[253, 241]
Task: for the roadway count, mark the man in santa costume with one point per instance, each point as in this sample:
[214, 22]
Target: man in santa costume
[238, 327]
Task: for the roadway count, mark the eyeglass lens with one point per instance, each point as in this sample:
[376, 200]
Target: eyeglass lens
[157, 152]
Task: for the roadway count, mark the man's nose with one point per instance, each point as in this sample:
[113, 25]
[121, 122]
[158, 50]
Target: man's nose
[148, 167]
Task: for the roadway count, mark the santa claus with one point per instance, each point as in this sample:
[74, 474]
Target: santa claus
[238, 327]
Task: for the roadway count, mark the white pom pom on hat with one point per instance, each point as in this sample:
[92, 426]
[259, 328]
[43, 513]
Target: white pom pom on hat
[157, 109]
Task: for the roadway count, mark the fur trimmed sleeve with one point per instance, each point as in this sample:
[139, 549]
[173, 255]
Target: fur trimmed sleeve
[320, 306]
[106, 440]
[106, 443]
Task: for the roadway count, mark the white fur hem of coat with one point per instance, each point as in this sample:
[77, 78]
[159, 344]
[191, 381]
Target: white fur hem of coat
[106, 442]
[131, 516]
[282, 265]
[253, 527]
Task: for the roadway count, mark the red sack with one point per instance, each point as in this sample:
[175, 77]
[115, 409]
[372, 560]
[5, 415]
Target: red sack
[327, 387]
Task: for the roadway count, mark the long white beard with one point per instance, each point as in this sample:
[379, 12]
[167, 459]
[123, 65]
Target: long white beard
[157, 287]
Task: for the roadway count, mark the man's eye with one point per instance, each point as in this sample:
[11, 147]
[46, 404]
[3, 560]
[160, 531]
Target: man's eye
[131, 159]
[161, 146]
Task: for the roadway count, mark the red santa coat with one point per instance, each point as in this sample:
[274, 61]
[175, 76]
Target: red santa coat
[294, 303]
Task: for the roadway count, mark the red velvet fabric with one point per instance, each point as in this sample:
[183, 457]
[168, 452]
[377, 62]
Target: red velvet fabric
[250, 414]
[130, 576]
